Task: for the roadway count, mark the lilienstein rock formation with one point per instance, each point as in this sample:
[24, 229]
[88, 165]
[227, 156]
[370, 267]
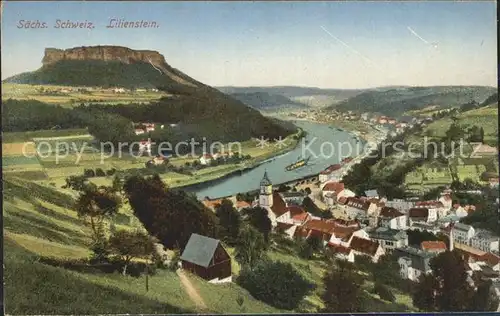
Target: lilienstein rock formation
[104, 53]
[202, 110]
[59, 64]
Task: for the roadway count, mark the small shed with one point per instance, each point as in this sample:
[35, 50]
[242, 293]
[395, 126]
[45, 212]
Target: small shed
[207, 258]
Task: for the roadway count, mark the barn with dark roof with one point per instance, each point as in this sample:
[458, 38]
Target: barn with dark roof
[207, 258]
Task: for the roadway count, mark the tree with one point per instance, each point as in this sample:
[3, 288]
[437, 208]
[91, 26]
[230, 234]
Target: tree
[89, 173]
[275, 283]
[305, 249]
[131, 244]
[117, 184]
[383, 292]
[168, 214]
[446, 288]
[386, 270]
[79, 183]
[229, 220]
[342, 289]
[415, 237]
[484, 299]
[250, 247]
[98, 205]
[258, 218]
[424, 295]
[315, 242]
[481, 135]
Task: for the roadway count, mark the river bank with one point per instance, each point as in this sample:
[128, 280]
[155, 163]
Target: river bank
[248, 179]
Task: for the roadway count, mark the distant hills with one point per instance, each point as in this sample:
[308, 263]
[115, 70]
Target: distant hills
[209, 111]
[267, 101]
[265, 98]
[396, 101]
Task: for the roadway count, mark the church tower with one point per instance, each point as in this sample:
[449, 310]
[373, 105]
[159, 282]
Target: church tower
[266, 192]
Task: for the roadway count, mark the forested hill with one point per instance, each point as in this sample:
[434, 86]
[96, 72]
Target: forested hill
[207, 111]
[396, 101]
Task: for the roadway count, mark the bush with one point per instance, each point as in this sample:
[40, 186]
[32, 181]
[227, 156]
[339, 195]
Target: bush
[110, 172]
[99, 173]
[174, 263]
[89, 173]
[383, 292]
[275, 283]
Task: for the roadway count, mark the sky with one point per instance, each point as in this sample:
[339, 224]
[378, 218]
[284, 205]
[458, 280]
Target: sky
[316, 44]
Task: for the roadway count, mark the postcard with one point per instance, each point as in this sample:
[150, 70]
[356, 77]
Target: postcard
[176, 157]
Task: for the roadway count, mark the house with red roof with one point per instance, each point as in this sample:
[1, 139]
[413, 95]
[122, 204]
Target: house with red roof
[392, 218]
[329, 231]
[332, 187]
[341, 252]
[294, 215]
[422, 214]
[366, 247]
[434, 206]
[356, 207]
[382, 120]
[491, 259]
[328, 172]
[333, 191]
[433, 246]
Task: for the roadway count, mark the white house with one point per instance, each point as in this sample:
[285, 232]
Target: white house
[366, 247]
[389, 239]
[119, 90]
[446, 202]
[145, 146]
[392, 218]
[400, 204]
[206, 159]
[459, 211]
[328, 172]
[139, 131]
[462, 233]
[421, 214]
[434, 207]
[357, 208]
[413, 262]
[484, 240]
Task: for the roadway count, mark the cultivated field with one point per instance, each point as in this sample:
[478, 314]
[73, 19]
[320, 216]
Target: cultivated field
[485, 117]
[70, 96]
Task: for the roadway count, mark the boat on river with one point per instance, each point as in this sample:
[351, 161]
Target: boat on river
[298, 164]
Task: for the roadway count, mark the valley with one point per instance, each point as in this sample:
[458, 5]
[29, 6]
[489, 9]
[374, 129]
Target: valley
[249, 158]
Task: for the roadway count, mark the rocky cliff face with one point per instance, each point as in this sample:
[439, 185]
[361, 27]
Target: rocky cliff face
[105, 53]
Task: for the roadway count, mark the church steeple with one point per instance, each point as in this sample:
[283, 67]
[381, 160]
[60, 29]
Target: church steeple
[266, 192]
[265, 180]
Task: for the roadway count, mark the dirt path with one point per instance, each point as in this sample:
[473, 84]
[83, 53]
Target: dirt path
[191, 291]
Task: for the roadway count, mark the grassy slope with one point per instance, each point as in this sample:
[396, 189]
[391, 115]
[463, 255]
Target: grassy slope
[38, 222]
[485, 117]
